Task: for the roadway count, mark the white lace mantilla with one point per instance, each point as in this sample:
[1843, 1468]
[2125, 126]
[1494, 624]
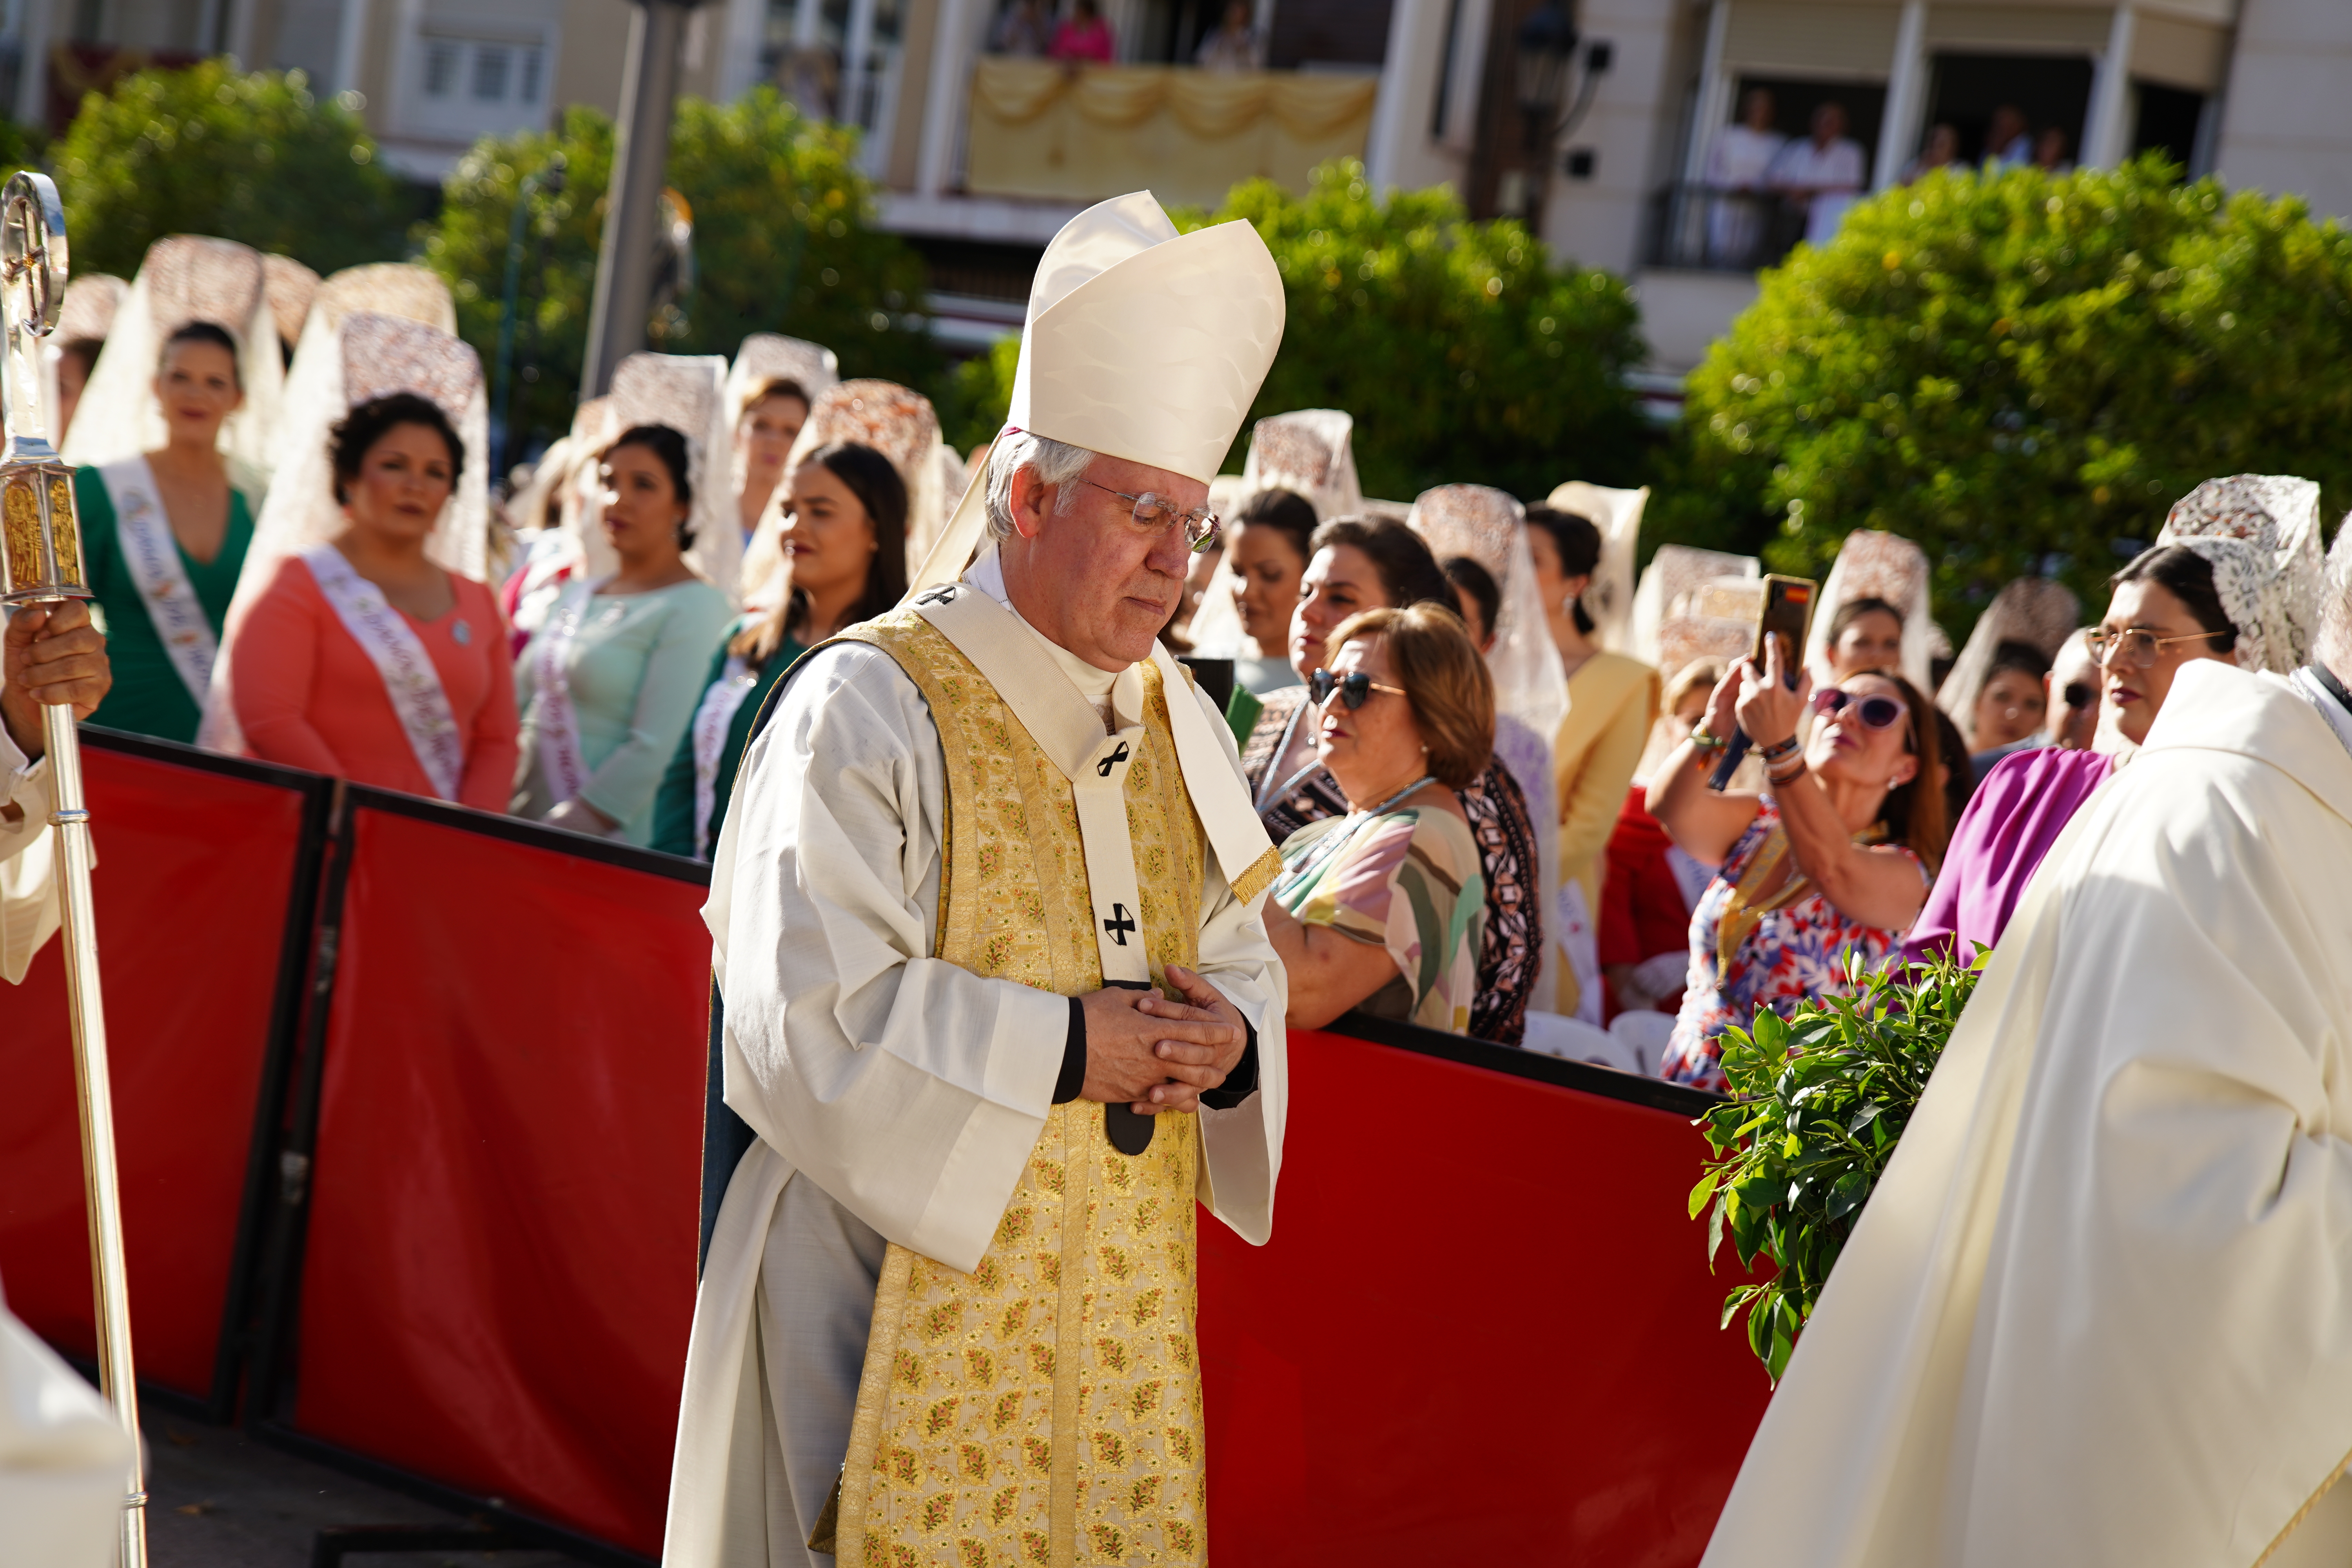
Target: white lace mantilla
[2260, 533]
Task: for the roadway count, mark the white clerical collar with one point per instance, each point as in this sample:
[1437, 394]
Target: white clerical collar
[2307, 685]
[1112, 691]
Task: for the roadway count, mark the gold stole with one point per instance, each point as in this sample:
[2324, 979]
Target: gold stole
[1044, 1408]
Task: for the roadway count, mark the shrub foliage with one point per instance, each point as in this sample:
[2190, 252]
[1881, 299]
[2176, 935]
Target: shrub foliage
[1821, 1099]
[1464, 353]
[248, 157]
[2015, 367]
[783, 242]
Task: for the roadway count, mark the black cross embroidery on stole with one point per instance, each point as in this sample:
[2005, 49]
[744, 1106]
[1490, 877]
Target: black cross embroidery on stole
[1103, 768]
[1119, 924]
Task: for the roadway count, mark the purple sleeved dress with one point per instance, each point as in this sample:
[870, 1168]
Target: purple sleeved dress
[2013, 818]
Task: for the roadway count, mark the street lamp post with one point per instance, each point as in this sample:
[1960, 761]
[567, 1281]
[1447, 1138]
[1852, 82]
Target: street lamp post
[548, 181]
[1544, 57]
[626, 263]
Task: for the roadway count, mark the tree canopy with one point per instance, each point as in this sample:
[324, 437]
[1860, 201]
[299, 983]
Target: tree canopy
[1463, 351]
[2021, 373]
[248, 157]
[783, 242]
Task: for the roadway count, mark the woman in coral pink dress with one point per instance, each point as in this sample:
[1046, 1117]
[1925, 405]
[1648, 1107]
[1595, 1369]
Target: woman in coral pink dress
[359, 654]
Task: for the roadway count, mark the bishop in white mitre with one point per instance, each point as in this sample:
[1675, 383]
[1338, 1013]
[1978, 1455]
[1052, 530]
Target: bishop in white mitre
[62, 1454]
[998, 1003]
[2099, 1312]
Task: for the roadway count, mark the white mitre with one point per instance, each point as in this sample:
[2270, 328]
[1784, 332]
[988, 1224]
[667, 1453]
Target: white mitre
[1141, 343]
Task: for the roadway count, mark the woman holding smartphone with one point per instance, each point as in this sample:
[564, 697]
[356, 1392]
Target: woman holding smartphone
[1835, 858]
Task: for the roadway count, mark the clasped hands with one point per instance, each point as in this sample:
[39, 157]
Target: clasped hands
[1159, 1055]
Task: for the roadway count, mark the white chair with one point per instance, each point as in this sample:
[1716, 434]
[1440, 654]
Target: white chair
[1571, 1039]
[1647, 1032]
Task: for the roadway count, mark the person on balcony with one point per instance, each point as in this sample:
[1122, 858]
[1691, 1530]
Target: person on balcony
[1084, 38]
[1941, 151]
[2049, 150]
[2009, 142]
[1737, 164]
[1024, 30]
[1824, 171]
[1236, 44]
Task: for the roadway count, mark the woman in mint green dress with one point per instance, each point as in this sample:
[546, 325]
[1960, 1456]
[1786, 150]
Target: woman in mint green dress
[608, 684]
[164, 535]
[845, 539]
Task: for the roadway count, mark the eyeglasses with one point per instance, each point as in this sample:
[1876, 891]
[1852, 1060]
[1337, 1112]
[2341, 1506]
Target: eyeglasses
[2080, 695]
[1354, 688]
[1878, 712]
[1156, 511]
[2138, 647]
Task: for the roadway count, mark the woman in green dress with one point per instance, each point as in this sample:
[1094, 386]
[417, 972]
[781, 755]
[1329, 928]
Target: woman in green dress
[608, 683]
[164, 535]
[844, 540]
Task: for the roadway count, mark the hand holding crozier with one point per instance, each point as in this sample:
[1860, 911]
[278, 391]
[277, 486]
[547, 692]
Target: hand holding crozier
[54, 656]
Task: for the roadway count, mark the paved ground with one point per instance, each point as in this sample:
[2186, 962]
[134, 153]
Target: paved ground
[222, 1500]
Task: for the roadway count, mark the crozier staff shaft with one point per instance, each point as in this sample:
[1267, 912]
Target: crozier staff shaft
[41, 562]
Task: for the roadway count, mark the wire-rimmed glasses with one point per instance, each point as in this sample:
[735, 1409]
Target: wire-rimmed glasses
[2139, 647]
[1156, 511]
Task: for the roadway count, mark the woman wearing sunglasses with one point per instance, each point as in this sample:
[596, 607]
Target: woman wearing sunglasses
[1835, 858]
[1364, 563]
[2231, 577]
[1383, 909]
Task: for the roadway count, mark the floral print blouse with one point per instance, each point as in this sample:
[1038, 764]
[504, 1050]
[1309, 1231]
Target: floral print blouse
[1408, 881]
[1791, 948]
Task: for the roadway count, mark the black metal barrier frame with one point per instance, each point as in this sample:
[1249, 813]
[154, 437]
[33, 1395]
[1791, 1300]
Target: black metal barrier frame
[261, 1311]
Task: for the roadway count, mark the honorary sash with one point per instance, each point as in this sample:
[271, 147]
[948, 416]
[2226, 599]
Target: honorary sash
[720, 705]
[153, 558]
[559, 724]
[384, 633]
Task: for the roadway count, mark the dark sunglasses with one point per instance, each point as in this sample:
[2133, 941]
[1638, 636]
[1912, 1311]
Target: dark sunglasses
[2079, 695]
[1878, 712]
[1355, 688]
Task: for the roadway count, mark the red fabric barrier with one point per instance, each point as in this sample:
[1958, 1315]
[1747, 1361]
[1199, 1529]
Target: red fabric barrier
[1484, 1331]
[500, 1270]
[194, 870]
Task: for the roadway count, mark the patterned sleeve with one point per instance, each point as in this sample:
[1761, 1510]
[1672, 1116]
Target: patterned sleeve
[1401, 885]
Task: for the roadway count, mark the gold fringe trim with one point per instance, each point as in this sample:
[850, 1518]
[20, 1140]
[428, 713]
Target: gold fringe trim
[2303, 1512]
[1259, 877]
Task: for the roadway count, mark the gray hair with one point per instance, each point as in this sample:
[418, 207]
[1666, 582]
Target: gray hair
[2334, 647]
[1055, 463]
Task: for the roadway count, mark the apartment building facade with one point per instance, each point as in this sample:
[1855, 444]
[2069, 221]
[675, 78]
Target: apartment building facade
[983, 150]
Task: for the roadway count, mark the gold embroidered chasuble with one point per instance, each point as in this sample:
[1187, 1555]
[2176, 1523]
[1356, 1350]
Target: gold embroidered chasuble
[1044, 1408]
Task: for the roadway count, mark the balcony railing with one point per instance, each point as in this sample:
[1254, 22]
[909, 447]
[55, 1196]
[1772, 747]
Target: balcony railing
[1710, 229]
[1050, 132]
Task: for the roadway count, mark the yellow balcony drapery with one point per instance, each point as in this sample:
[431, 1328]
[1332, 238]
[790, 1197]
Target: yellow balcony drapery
[1042, 130]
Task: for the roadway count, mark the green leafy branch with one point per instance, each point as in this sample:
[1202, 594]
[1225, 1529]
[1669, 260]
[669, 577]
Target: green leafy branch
[1821, 1099]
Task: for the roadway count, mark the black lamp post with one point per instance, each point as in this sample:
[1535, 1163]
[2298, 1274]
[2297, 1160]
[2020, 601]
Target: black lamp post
[547, 182]
[1546, 49]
